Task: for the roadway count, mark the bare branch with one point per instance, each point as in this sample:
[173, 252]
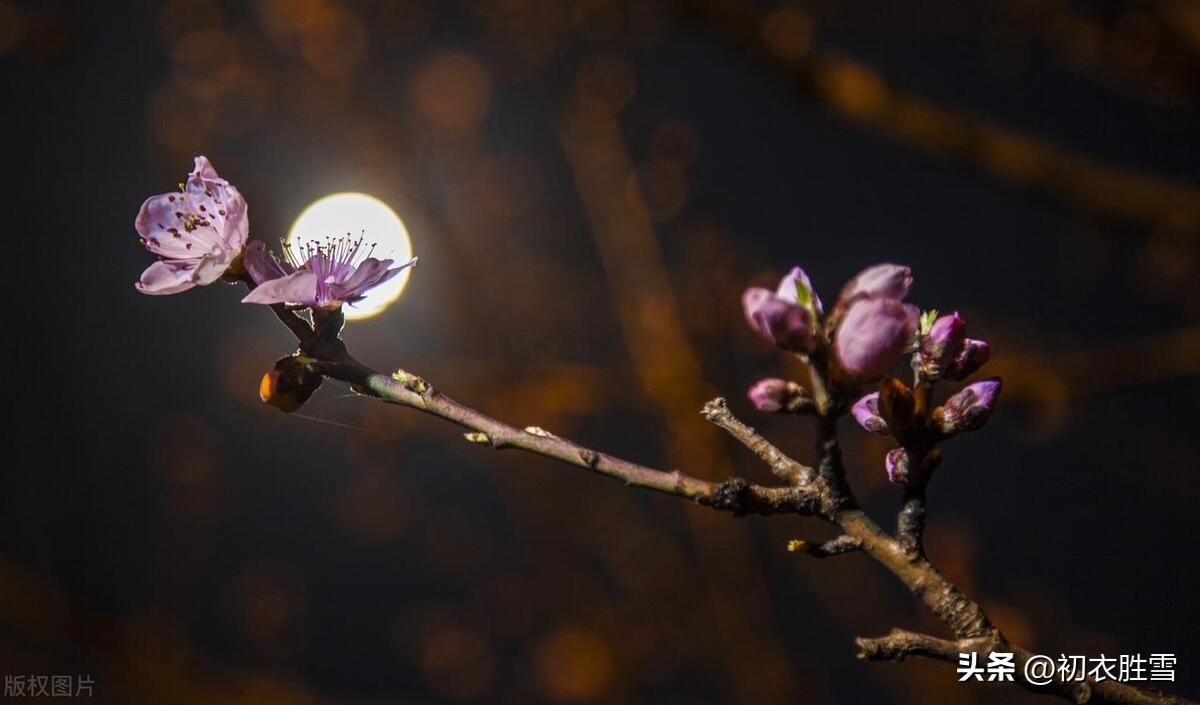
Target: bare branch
[786, 469]
[734, 495]
[899, 644]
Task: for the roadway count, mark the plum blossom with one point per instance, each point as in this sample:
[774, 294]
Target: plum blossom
[198, 233]
[336, 271]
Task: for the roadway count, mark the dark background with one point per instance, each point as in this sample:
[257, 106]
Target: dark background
[164, 532]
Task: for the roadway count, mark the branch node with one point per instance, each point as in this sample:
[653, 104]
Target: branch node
[411, 382]
[590, 458]
[479, 437]
[833, 547]
[730, 496]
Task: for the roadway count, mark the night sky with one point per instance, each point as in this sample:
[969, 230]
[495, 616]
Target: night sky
[166, 533]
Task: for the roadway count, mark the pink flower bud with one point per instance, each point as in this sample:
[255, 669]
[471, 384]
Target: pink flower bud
[866, 413]
[969, 409]
[774, 395]
[780, 320]
[974, 354]
[882, 281]
[871, 338]
[942, 344]
[796, 287]
[896, 464]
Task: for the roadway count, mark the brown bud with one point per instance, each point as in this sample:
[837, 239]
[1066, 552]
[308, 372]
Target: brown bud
[898, 407]
[289, 384]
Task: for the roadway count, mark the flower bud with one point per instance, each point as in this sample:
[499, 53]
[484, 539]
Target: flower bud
[796, 287]
[781, 321]
[896, 464]
[288, 384]
[774, 396]
[866, 413]
[974, 354]
[882, 281]
[969, 409]
[942, 344]
[871, 338]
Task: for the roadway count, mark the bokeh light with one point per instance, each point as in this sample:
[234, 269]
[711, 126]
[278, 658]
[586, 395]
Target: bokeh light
[358, 213]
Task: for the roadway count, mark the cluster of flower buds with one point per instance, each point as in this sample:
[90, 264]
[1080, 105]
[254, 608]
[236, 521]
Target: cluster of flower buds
[199, 235]
[894, 411]
[862, 338]
[866, 333]
[945, 351]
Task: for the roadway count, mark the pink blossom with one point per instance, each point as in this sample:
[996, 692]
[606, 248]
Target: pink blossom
[339, 270]
[198, 233]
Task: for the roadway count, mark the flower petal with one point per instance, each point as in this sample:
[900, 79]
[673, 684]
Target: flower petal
[162, 278]
[371, 273]
[262, 265]
[299, 287]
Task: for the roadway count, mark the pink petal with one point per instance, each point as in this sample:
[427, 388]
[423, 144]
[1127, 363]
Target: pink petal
[236, 225]
[262, 265]
[204, 169]
[299, 287]
[163, 278]
[376, 274]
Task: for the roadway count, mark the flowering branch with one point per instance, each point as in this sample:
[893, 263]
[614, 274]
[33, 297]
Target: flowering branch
[199, 236]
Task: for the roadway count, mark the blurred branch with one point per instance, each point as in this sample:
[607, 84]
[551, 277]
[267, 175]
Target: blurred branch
[857, 92]
[1144, 50]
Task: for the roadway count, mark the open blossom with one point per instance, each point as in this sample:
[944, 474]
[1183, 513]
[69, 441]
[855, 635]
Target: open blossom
[198, 233]
[786, 316]
[337, 271]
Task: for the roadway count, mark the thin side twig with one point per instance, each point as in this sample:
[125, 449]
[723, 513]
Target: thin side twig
[790, 471]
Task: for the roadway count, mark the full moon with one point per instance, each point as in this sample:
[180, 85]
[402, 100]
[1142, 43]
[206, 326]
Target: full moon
[357, 214]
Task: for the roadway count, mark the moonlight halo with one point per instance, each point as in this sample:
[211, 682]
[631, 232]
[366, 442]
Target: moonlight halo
[354, 213]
